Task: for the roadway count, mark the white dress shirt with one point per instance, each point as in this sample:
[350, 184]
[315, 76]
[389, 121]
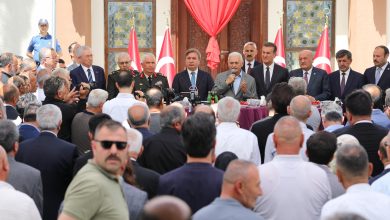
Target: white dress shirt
[359, 199]
[16, 205]
[196, 74]
[246, 65]
[382, 184]
[118, 106]
[292, 189]
[270, 151]
[86, 72]
[239, 141]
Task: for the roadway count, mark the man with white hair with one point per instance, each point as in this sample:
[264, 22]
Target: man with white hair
[235, 82]
[48, 59]
[80, 128]
[8, 65]
[53, 157]
[139, 118]
[332, 116]
[230, 137]
[377, 116]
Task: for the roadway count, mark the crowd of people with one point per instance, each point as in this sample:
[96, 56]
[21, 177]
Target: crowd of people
[79, 144]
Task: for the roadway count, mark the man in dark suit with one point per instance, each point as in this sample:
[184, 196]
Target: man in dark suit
[193, 76]
[268, 73]
[139, 119]
[29, 128]
[86, 72]
[11, 97]
[52, 156]
[358, 111]
[281, 96]
[379, 74]
[250, 53]
[317, 79]
[345, 80]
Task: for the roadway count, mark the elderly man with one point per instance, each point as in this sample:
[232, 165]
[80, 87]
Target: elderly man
[55, 163]
[192, 76]
[154, 100]
[48, 59]
[166, 208]
[317, 79]
[353, 170]
[29, 128]
[164, 151]
[230, 137]
[268, 73]
[96, 99]
[234, 82]
[240, 189]
[377, 116]
[139, 119]
[72, 51]
[8, 64]
[97, 184]
[86, 72]
[11, 97]
[124, 62]
[305, 187]
[197, 182]
[381, 181]
[250, 52]
[42, 75]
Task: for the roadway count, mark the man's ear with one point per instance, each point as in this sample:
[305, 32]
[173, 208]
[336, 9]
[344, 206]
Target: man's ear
[370, 168]
[288, 110]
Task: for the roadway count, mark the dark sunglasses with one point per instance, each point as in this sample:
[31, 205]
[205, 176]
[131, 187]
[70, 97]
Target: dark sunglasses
[120, 145]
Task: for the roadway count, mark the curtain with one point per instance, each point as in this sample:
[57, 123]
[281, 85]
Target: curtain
[212, 16]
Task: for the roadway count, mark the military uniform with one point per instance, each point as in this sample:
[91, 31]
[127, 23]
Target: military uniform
[111, 80]
[142, 82]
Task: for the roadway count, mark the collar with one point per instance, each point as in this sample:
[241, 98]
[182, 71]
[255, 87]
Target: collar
[5, 185]
[252, 63]
[227, 125]
[86, 68]
[346, 72]
[363, 121]
[383, 67]
[271, 67]
[105, 173]
[88, 113]
[285, 157]
[47, 36]
[387, 166]
[143, 75]
[125, 95]
[47, 131]
[309, 71]
[359, 187]
[196, 71]
[28, 124]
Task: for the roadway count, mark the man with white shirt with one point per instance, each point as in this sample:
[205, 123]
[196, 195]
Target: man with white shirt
[292, 188]
[250, 52]
[230, 137]
[300, 108]
[381, 182]
[353, 170]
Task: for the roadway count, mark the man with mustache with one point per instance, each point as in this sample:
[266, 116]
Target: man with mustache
[250, 53]
[97, 184]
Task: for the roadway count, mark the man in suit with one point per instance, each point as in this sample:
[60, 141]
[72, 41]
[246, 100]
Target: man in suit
[193, 76]
[86, 72]
[358, 112]
[268, 73]
[250, 53]
[139, 119]
[234, 82]
[29, 128]
[317, 79]
[22, 177]
[11, 97]
[72, 51]
[345, 80]
[52, 156]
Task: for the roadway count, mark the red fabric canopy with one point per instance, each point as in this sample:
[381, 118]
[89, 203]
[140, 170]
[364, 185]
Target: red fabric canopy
[212, 16]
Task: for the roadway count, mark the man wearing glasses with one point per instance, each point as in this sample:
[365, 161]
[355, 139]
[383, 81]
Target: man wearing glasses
[95, 192]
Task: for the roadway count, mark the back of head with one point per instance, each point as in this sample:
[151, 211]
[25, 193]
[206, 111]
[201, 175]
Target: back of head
[97, 97]
[166, 208]
[385, 142]
[331, 107]
[352, 161]
[61, 72]
[42, 75]
[95, 120]
[206, 109]
[228, 109]
[375, 93]
[52, 85]
[281, 96]
[10, 93]
[124, 79]
[5, 59]
[80, 50]
[346, 139]
[300, 107]
[334, 117]
[170, 115]
[138, 114]
[49, 117]
[224, 159]
[359, 103]
[30, 112]
[298, 84]
[387, 98]
[134, 139]
[154, 98]
[288, 135]
[321, 147]
[9, 134]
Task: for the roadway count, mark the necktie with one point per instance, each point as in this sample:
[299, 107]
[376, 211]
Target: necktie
[305, 78]
[150, 81]
[193, 83]
[89, 75]
[377, 75]
[236, 84]
[267, 78]
[342, 84]
[248, 71]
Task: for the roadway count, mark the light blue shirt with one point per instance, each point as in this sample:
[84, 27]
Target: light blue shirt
[38, 42]
[380, 118]
[332, 128]
[237, 82]
[382, 184]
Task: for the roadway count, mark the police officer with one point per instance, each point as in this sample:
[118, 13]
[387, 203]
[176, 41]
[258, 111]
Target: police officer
[124, 62]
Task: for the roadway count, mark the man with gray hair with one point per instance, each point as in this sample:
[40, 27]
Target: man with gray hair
[48, 59]
[42, 75]
[52, 156]
[154, 100]
[8, 65]
[165, 151]
[230, 137]
[235, 82]
[353, 170]
[139, 119]
[377, 116]
[332, 116]
[29, 128]
[300, 108]
[80, 128]
[72, 51]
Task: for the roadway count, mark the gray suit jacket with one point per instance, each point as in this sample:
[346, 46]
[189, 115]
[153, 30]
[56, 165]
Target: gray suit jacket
[26, 179]
[224, 89]
[135, 199]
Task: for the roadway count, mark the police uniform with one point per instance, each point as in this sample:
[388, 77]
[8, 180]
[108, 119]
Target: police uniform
[143, 83]
[111, 80]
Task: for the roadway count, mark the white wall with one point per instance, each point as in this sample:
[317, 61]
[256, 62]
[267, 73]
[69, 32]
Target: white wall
[19, 23]
[342, 28]
[274, 6]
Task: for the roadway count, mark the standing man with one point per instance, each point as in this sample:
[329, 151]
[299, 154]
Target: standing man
[193, 76]
[345, 80]
[86, 72]
[317, 80]
[123, 61]
[268, 73]
[8, 64]
[250, 53]
[234, 82]
[72, 50]
[48, 59]
[43, 39]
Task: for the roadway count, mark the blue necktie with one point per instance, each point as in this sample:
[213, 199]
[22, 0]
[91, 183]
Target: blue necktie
[193, 79]
[377, 75]
[89, 75]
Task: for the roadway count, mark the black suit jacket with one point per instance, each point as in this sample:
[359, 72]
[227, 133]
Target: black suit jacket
[54, 158]
[318, 85]
[355, 81]
[279, 74]
[384, 81]
[147, 179]
[11, 112]
[254, 65]
[78, 76]
[369, 135]
[204, 83]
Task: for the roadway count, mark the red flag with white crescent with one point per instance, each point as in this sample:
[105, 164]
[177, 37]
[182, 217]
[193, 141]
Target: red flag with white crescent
[133, 51]
[280, 55]
[322, 56]
[166, 63]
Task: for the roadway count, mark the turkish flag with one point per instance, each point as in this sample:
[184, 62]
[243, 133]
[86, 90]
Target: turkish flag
[280, 55]
[133, 51]
[166, 63]
[322, 56]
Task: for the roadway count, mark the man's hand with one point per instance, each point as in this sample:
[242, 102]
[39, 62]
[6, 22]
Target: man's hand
[72, 96]
[139, 95]
[84, 90]
[230, 79]
[243, 86]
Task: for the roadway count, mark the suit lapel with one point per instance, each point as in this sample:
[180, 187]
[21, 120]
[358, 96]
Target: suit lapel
[274, 75]
[312, 80]
[199, 78]
[187, 80]
[385, 73]
[350, 81]
[82, 73]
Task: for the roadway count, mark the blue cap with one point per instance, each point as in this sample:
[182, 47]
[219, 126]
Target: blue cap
[43, 21]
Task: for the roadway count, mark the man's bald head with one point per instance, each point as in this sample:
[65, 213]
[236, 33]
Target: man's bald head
[4, 167]
[288, 136]
[375, 93]
[166, 208]
[300, 108]
[138, 115]
[206, 109]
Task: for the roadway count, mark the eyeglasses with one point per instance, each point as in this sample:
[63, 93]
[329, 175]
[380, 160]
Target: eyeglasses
[122, 63]
[120, 145]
